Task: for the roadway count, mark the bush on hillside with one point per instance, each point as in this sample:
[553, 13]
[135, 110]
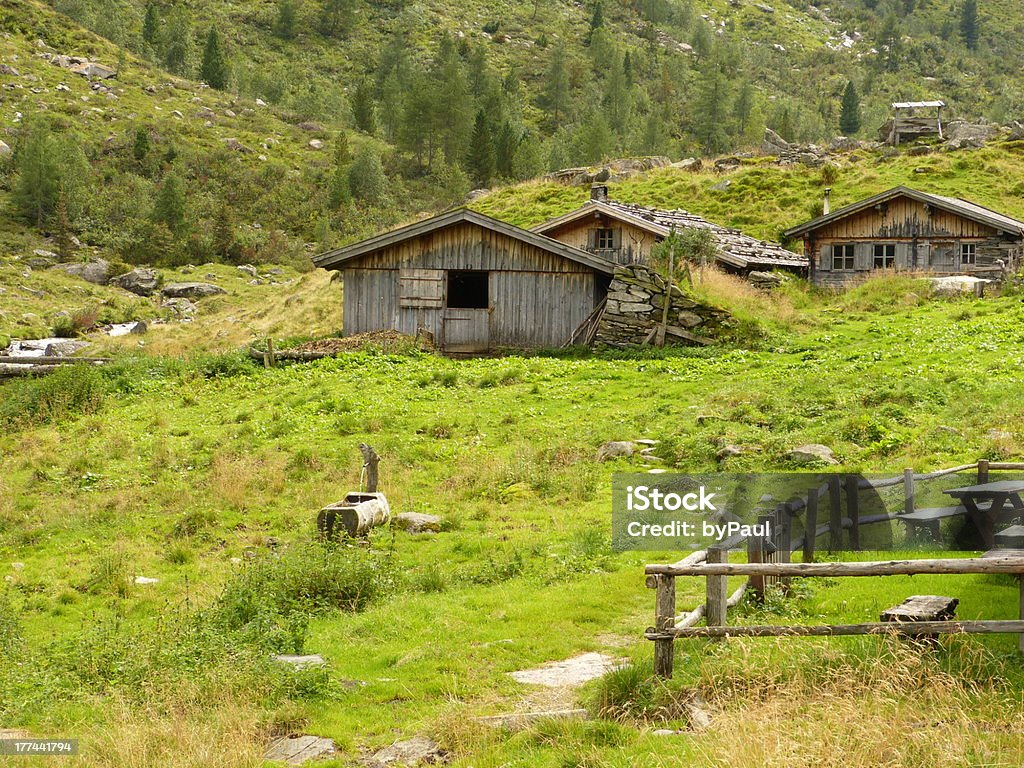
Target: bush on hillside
[70, 391]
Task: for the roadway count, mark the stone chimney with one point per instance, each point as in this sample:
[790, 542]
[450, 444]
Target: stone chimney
[599, 192]
[826, 207]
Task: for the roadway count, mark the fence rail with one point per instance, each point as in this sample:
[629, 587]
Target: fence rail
[768, 562]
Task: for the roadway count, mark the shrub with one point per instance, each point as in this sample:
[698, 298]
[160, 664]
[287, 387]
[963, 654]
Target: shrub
[110, 575]
[69, 391]
[271, 599]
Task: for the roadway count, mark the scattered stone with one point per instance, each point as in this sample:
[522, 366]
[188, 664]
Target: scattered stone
[418, 522]
[812, 453]
[411, 752]
[722, 185]
[96, 271]
[248, 269]
[725, 164]
[316, 144]
[614, 171]
[518, 720]
[141, 281]
[260, 103]
[666, 732]
[297, 750]
[145, 580]
[766, 280]
[301, 662]
[729, 451]
[693, 164]
[998, 434]
[237, 146]
[309, 125]
[191, 290]
[5, 148]
[919, 150]
[63, 347]
[7, 69]
[229, 113]
[177, 113]
[124, 329]
[569, 673]
[18, 566]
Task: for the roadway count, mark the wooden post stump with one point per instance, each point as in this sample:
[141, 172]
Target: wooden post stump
[716, 590]
[664, 619]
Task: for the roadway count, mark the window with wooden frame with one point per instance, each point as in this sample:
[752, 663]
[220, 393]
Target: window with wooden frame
[968, 253]
[604, 239]
[421, 288]
[843, 256]
[884, 256]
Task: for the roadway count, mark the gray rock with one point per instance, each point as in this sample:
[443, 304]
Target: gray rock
[812, 453]
[96, 271]
[722, 185]
[316, 144]
[615, 449]
[5, 149]
[191, 290]
[182, 308]
[689, 164]
[300, 662]
[64, 347]
[296, 750]
[141, 281]
[729, 451]
[418, 522]
[411, 752]
[248, 269]
[145, 580]
[93, 70]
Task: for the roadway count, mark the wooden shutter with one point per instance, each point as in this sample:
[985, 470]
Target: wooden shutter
[421, 288]
[903, 255]
[863, 254]
[591, 239]
[617, 238]
[825, 259]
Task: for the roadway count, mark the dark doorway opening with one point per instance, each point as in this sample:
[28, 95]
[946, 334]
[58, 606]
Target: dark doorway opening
[468, 290]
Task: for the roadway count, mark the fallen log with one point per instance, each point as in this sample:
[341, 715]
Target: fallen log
[357, 514]
[50, 359]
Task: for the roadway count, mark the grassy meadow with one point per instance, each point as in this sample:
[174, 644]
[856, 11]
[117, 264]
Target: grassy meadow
[205, 471]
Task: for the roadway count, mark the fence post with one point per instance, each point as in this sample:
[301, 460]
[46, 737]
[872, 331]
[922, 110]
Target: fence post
[717, 586]
[908, 490]
[785, 539]
[811, 525]
[853, 510]
[664, 619]
[1020, 638]
[755, 555]
[835, 514]
[982, 471]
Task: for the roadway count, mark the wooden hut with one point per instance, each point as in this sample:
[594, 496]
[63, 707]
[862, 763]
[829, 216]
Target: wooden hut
[912, 120]
[625, 234]
[906, 229]
[475, 283]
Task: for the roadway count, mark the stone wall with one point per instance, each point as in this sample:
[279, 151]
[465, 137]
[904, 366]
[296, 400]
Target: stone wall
[636, 299]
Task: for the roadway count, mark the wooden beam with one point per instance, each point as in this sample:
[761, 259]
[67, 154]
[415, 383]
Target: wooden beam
[664, 620]
[833, 630]
[715, 591]
[866, 568]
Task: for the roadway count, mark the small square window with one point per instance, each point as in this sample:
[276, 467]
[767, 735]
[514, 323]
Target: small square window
[885, 256]
[468, 290]
[604, 239]
[968, 253]
[842, 256]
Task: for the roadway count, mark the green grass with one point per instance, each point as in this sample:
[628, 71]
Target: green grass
[197, 472]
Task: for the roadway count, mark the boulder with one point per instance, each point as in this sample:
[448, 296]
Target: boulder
[191, 290]
[812, 453]
[141, 281]
[724, 164]
[183, 309]
[689, 164]
[247, 269]
[418, 522]
[411, 752]
[316, 144]
[296, 750]
[615, 449]
[64, 347]
[773, 143]
[92, 70]
[300, 662]
[729, 452]
[5, 149]
[96, 271]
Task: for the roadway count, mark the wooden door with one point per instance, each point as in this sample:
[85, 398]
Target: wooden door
[466, 331]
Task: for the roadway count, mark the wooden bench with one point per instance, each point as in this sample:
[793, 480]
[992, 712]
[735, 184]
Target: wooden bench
[929, 519]
[918, 608]
[1010, 538]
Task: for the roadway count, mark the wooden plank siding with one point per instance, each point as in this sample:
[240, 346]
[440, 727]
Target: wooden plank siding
[635, 243]
[536, 298]
[925, 239]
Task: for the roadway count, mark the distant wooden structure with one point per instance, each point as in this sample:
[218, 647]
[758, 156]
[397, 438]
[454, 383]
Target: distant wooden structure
[906, 229]
[475, 283]
[625, 233]
[912, 120]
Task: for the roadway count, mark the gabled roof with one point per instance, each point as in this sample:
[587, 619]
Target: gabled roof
[956, 205]
[917, 104]
[332, 259]
[734, 248]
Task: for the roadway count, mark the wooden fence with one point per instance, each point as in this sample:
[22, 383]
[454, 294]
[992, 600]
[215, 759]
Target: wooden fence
[769, 562]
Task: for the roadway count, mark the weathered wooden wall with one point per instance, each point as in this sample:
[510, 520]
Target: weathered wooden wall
[926, 240]
[537, 298]
[635, 243]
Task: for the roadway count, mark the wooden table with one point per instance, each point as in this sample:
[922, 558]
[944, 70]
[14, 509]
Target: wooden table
[987, 503]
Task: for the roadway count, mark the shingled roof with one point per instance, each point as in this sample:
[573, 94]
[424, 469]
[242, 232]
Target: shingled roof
[735, 249]
[956, 205]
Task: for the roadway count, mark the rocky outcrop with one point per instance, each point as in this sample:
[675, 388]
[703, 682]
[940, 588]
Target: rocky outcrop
[614, 171]
[635, 307]
[96, 271]
[140, 281]
[191, 290]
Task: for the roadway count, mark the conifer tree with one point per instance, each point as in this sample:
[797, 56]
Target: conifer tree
[214, 72]
[366, 176]
[481, 161]
[849, 118]
[363, 108]
[177, 41]
[224, 234]
[286, 24]
[169, 205]
[151, 25]
[336, 17]
[65, 244]
[969, 24]
[557, 87]
[339, 189]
